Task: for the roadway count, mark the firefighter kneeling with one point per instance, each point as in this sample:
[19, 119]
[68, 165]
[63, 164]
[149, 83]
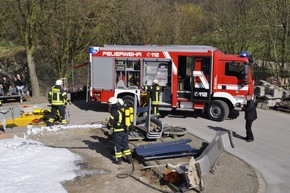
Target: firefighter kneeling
[120, 130]
[58, 98]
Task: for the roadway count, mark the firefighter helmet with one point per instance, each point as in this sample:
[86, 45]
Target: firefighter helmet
[120, 101]
[155, 81]
[58, 82]
[113, 100]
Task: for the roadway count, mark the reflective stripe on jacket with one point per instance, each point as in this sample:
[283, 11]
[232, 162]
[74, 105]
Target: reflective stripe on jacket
[154, 93]
[57, 96]
[117, 120]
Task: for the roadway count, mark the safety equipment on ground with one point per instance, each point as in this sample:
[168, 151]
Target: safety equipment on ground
[155, 81]
[113, 100]
[58, 82]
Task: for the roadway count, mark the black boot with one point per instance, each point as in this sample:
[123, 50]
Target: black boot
[129, 159]
[118, 161]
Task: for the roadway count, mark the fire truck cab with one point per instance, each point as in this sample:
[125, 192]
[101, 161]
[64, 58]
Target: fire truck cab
[191, 77]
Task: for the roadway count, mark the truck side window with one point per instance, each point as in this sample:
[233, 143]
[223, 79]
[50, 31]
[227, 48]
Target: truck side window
[127, 73]
[231, 70]
[234, 69]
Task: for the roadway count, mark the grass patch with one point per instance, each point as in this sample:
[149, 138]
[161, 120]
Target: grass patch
[8, 48]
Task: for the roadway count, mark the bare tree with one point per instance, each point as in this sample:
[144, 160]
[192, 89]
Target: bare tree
[233, 23]
[69, 33]
[25, 19]
[275, 17]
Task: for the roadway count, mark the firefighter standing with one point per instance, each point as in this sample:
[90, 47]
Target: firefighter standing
[154, 90]
[120, 131]
[58, 98]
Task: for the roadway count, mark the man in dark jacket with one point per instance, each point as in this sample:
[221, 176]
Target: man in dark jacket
[250, 116]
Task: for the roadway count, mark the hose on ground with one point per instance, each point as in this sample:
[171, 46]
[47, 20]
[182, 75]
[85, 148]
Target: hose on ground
[124, 175]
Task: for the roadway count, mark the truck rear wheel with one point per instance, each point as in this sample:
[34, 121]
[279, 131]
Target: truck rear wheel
[128, 100]
[218, 110]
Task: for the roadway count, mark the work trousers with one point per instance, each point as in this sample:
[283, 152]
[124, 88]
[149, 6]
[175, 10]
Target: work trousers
[249, 129]
[121, 141]
[53, 114]
[155, 109]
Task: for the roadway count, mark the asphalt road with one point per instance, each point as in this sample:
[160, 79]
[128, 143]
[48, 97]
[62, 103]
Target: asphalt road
[269, 153]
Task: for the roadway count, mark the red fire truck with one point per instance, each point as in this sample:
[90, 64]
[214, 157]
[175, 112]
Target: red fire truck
[191, 77]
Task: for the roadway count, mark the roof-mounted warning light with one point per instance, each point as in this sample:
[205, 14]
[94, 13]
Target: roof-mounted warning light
[244, 54]
[93, 50]
[247, 55]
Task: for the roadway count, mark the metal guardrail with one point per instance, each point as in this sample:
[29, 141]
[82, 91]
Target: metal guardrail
[210, 155]
[9, 113]
[205, 162]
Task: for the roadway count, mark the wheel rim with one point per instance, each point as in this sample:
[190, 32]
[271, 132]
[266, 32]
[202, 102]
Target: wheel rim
[129, 103]
[215, 111]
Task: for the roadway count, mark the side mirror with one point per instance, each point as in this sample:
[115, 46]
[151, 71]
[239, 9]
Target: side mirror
[251, 60]
[246, 71]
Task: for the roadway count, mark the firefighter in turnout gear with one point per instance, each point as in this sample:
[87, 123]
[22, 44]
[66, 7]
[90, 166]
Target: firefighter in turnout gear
[58, 99]
[154, 91]
[120, 130]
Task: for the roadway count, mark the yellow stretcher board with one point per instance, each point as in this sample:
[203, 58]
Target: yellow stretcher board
[29, 116]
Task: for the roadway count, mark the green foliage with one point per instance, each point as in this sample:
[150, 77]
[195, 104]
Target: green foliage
[4, 45]
[58, 33]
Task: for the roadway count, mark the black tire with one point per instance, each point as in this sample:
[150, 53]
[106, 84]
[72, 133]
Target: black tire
[128, 100]
[218, 110]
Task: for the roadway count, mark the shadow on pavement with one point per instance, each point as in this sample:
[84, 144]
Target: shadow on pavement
[234, 114]
[102, 146]
[90, 106]
[223, 129]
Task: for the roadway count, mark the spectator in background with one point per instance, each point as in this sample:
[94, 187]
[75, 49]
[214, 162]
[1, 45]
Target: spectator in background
[19, 84]
[5, 85]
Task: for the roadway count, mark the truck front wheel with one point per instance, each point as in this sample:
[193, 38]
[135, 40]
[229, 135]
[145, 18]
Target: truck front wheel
[218, 110]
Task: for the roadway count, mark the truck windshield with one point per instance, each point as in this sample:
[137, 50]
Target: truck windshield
[236, 69]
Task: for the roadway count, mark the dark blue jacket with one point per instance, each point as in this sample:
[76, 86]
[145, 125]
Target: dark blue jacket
[250, 110]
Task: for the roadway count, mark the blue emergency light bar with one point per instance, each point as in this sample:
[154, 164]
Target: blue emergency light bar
[93, 50]
[244, 54]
